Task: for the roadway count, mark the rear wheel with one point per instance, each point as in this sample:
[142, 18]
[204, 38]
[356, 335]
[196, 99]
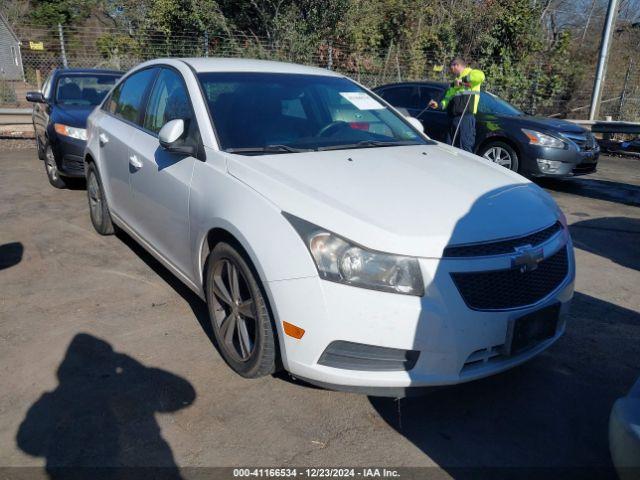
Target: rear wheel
[51, 167]
[239, 315]
[98, 208]
[502, 154]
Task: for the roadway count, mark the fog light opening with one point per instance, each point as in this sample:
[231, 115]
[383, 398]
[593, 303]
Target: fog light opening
[549, 166]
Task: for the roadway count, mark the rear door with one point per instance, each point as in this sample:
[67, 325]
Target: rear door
[122, 114]
[160, 179]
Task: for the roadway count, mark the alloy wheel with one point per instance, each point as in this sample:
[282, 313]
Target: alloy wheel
[234, 310]
[500, 156]
[50, 164]
[95, 198]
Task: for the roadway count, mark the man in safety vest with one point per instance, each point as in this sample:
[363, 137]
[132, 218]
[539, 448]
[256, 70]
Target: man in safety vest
[461, 103]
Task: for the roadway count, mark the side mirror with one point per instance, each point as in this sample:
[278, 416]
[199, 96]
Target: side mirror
[169, 135]
[35, 97]
[416, 123]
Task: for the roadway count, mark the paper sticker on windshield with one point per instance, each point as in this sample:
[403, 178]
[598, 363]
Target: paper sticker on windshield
[362, 101]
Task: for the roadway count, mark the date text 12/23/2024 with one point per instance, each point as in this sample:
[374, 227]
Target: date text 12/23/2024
[316, 473]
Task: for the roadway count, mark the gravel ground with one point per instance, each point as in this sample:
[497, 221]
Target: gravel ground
[106, 359]
[11, 144]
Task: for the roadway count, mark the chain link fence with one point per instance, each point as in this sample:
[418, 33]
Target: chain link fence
[44, 49]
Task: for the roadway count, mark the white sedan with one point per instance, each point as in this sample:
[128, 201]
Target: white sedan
[328, 235]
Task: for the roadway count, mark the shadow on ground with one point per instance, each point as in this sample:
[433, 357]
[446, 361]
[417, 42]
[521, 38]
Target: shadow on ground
[615, 238]
[102, 414]
[197, 305]
[551, 412]
[618, 192]
[10, 254]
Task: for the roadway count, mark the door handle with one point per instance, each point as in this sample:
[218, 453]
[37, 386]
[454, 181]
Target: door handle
[103, 139]
[135, 162]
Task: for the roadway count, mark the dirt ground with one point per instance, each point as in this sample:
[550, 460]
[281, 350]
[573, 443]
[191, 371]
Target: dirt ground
[106, 359]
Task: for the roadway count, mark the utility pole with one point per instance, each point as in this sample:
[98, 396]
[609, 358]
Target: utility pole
[62, 51]
[607, 33]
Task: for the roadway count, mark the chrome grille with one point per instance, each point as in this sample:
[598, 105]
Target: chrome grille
[585, 141]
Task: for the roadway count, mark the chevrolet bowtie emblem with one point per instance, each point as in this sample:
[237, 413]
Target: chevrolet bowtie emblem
[527, 258]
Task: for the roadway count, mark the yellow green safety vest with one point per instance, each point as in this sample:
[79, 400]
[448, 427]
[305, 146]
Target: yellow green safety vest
[469, 75]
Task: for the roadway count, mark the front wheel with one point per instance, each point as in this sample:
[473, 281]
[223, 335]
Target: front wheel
[40, 147]
[51, 167]
[238, 313]
[502, 154]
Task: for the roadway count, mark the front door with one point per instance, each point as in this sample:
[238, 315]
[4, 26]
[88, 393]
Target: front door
[160, 179]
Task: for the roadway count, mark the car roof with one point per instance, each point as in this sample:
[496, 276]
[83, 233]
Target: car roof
[209, 64]
[425, 83]
[93, 71]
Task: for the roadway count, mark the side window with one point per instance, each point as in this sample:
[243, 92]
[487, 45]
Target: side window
[112, 101]
[126, 100]
[405, 97]
[430, 93]
[14, 54]
[168, 101]
[487, 104]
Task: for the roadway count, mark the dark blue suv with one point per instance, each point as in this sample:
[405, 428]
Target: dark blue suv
[532, 146]
[60, 114]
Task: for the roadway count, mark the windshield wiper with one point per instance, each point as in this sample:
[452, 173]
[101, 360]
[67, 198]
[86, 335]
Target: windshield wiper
[368, 144]
[268, 149]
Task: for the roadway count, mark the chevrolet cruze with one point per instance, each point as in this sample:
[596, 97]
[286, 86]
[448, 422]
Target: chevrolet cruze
[328, 235]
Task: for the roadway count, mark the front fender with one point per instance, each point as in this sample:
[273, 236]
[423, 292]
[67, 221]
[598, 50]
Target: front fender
[220, 201]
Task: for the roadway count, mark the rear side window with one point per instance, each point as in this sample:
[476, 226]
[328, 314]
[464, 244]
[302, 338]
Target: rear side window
[168, 101]
[126, 100]
[112, 101]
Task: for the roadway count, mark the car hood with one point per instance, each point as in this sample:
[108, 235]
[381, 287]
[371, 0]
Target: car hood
[412, 200]
[75, 116]
[545, 123]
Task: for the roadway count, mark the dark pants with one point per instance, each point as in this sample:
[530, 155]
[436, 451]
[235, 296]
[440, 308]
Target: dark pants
[466, 137]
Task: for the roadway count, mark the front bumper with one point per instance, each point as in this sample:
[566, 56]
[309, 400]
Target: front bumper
[69, 154]
[566, 163]
[455, 343]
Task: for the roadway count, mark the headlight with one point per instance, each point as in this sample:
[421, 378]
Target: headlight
[342, 261]
[542, 139]
[73, 132]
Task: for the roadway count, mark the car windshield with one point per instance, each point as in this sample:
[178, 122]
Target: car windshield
[489, 103]
[83, 89]
[257, 113]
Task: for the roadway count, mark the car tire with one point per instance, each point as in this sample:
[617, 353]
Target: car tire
[502, 154]
[40, 148]
[98, 207]
[51, 168]
[240, 319]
